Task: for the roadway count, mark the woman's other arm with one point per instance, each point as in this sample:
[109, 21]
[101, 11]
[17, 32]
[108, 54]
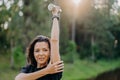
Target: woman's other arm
[31, 76]
[50, 69]
[55, 56]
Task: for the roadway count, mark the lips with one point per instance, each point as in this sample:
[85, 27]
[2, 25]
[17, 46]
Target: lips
[41, 59]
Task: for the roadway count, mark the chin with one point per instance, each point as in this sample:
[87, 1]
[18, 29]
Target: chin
[42, 62]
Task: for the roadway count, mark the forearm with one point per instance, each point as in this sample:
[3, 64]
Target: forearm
[31, 76]
[55, 30]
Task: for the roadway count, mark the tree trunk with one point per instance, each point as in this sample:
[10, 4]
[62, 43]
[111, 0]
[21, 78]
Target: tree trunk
[12, 55]
[92, 48]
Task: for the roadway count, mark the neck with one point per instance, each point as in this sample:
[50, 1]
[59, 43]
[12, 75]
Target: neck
[41, 65]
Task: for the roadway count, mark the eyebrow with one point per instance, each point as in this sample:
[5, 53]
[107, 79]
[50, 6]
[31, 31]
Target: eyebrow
[42, 48]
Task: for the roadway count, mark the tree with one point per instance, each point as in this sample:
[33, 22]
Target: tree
[94, 28]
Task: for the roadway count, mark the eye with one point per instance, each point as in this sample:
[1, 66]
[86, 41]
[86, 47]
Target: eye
[45, 49]
[37, 50]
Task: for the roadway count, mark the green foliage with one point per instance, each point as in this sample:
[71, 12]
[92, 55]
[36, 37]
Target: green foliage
[95, 48]
[6, 16]
[19, 57]
[71, 47]
[85, 50]
[4, 42]
[95, 51]
[36, 21]
[98, 23]
[64, 35]
[71, 52]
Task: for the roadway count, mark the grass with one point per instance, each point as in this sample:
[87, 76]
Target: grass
[84, 69]
[79, 70]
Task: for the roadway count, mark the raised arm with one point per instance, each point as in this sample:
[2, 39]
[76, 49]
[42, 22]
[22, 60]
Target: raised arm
[55, 56]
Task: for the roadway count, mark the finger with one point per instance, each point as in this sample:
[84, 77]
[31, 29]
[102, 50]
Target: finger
[59, 71]
[60, 68]
[61, 62]
[58, 62]
[59, 65]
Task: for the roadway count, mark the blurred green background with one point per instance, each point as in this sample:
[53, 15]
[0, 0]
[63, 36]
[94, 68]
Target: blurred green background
[89, 38]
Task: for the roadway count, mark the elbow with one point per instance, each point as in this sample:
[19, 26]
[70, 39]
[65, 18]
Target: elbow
[55, 37]
[18, 77]
[54, 40]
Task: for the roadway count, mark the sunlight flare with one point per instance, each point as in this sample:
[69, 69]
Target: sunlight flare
[76, 2]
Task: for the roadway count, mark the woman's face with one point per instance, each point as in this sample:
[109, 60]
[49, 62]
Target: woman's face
[41, 53]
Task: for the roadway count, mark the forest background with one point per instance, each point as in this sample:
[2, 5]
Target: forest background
[89, 35]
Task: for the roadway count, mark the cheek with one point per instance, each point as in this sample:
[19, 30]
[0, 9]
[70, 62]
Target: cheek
[48, 54]
[35, 55]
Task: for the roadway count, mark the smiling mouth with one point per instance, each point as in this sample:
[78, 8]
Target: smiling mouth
[41, 59]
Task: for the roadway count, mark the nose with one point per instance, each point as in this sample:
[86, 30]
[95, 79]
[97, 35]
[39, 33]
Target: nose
[41, 52]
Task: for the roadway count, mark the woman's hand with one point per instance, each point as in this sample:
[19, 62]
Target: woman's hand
[55, 67]
[56, 10]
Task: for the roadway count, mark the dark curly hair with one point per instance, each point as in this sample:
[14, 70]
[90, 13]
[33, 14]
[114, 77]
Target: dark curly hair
[30, 50]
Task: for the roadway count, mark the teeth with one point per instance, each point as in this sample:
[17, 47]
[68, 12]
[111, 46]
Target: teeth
[41, 58]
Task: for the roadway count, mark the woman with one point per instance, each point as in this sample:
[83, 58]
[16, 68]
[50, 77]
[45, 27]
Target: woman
[43, 56]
